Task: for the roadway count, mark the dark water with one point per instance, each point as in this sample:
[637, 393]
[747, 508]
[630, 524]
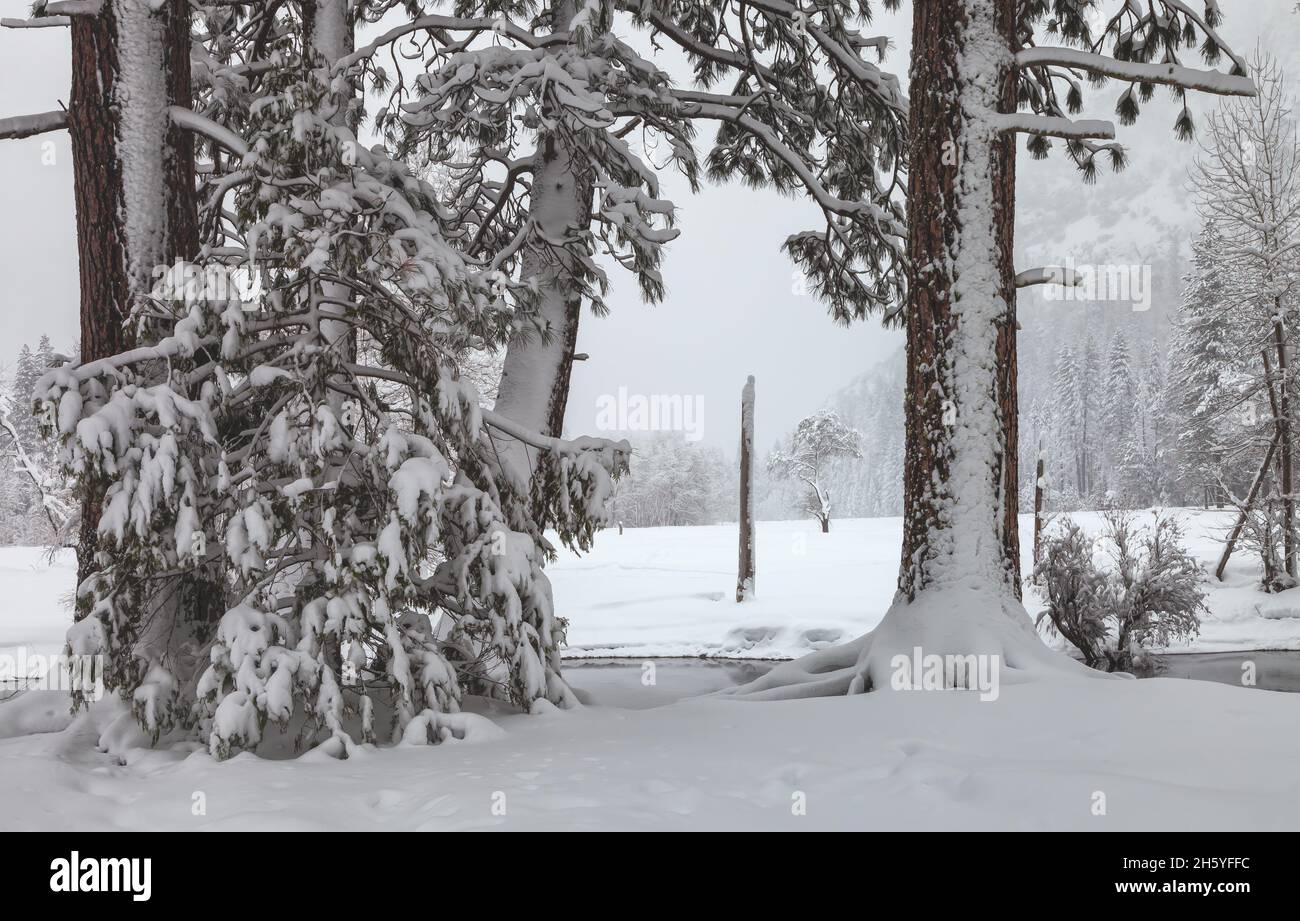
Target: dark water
[1274, 670]
[638, 684]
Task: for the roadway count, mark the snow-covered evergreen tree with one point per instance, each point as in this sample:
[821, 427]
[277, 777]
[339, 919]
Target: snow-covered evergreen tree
[1119, 395]
[1208, 362]
[299, 483]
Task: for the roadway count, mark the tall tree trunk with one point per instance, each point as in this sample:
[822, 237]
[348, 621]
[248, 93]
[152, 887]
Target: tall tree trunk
[960, 493]
[134, 176]
[536, 372]
[329, 33]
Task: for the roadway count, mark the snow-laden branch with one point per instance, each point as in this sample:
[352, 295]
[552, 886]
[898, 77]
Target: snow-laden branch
[1053, 126]
[44, 22]
[885, 85]
[502, 27]
[193, 121]
[1209, 81]
[702, 108]
[1049, 275]
[72, 8]
[546, 442]
[24, 126]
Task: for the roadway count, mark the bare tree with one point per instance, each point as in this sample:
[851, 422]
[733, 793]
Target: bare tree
[1248, 186]
[817, 439]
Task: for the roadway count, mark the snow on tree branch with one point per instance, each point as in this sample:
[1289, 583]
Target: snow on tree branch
[43, 22]
[192, 121]
[23, 126]
[1166, 74]
[1049, 275]
[1139, 44]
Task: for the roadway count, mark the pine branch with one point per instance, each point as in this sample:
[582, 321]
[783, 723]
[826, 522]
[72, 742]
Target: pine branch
[1168, 74]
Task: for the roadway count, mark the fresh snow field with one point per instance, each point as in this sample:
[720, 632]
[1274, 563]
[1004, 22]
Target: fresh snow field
[1165, 753]
[671, 591]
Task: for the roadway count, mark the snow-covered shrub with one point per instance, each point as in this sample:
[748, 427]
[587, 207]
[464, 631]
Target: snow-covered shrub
[307, 523]
[1074, 587]
[1263, 532]
[1147, 595]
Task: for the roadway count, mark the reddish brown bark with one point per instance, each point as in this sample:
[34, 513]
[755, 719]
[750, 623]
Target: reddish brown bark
[107, 290]
[936, 138]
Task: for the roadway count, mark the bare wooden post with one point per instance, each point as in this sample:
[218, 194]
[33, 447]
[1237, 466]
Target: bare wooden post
[745, 574]
[1038, 502]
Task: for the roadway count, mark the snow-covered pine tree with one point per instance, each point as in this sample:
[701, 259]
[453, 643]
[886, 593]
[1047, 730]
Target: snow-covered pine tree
[815, 441]
[975, 64]
[1068, 443]
[870, 486]
[1091, 410]
[1146, 470]
[289, 505]
[26, 373]
[1208, 361]
[1118, 404]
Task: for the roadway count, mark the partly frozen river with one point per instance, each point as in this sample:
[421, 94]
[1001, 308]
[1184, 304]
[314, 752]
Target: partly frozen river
[640, 684]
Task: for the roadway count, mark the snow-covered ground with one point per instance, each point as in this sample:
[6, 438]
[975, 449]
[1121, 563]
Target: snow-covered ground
[1068, 753]
[35, 599]
[671, 591]
[1164, 753]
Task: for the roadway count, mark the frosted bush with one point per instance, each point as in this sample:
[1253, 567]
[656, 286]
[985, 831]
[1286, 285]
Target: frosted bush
[1146, 594]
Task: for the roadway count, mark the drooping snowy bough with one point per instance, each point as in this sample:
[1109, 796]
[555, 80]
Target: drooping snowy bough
[554, 128]
[307, 522]
[975, 65]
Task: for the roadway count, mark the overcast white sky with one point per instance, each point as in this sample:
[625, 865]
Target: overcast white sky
[731, 310]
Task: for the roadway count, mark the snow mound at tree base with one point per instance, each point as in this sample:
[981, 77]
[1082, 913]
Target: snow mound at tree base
[948, 638]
